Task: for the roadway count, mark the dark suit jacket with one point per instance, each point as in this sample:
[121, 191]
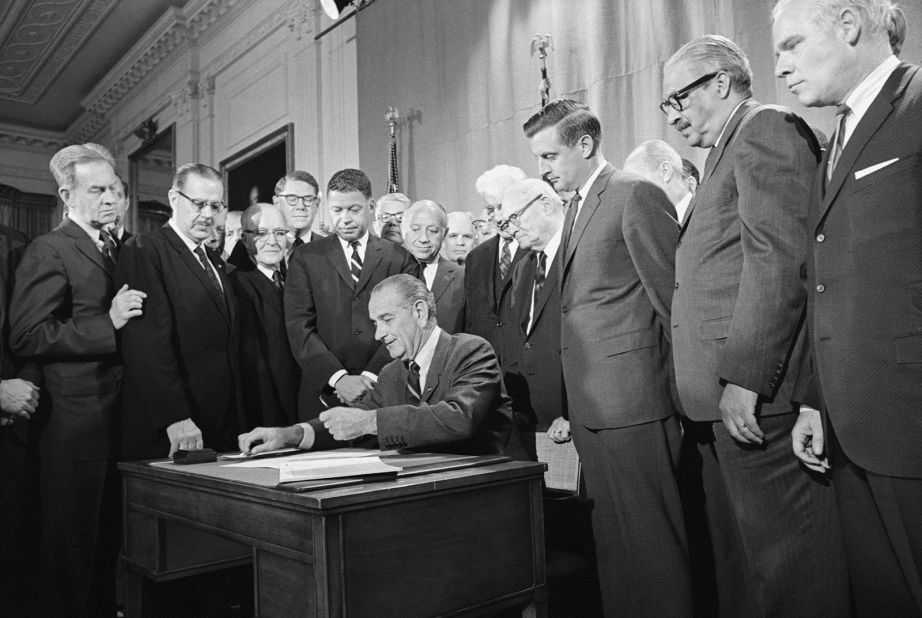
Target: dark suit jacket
[59, 317]
[327, 316]
[487, 309]
[448, 290]
[738, 308]
[865, 284]
[616, 283]
[181, 354]
[269, 374]
[464, 408]
[534, 377]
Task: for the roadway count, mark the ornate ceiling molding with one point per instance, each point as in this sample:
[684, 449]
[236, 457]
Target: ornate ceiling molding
[28, 63]
[48, 141]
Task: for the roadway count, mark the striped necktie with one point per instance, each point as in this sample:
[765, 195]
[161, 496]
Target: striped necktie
[413, 388]
[110, 245]
[505, 259]
[279, 280]
[355, 263]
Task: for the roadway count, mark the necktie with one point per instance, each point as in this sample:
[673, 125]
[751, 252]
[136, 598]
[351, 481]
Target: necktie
[569, 221]
[540, 272]
[413, 388]
[355, 264]
[838, 141]
[279, 280]
[109, 246]
[297, 243]
[200, 252]
[505, 259]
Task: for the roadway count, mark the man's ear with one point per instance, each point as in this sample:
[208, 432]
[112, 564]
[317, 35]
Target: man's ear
[848, 26]
[586, 146]
[64, 192]
[666, 171]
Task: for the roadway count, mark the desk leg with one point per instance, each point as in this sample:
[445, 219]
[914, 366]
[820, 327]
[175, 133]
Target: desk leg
[138, 595]
[283, 584]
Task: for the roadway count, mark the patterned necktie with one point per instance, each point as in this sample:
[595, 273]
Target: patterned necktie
[200, 252]
[413, 388]
[838, 141]
[540, 272]
[505, 259]
[355, 264]
[569, 221]
[109, 246]
[279, 280]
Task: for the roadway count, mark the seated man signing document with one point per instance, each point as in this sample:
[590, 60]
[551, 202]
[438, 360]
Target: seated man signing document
[441, 393]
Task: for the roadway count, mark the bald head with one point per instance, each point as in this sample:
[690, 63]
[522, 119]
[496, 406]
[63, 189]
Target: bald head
[532, 212]
[265, 234]
[424, 227]
[659, 163]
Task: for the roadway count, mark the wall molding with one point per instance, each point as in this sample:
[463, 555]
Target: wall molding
[38, 139]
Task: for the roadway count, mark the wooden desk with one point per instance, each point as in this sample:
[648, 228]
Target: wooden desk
[457, 542]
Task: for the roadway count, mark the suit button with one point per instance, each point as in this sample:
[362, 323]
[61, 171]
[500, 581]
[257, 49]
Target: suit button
[356, 332]
[820, 237]
[527, 346]
[564, 308]
[677, 285]
[499, 324]
[356, 298]
[821, 288]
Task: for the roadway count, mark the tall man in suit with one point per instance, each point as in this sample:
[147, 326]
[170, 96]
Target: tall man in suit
[181, 370]
[64, 314]
[424, 226]
[864, 284]
[440, 393]
[489, 267]
[616, 279]
[269, 374]
[738, 342]
[326, 298]
[534, 214]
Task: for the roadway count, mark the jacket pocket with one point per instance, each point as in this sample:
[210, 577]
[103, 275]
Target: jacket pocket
[716, 328]
[626, 342]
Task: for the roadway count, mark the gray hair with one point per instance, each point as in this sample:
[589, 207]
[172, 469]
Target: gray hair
[717, 53]
[878, 13]
[63, 162]
[410, 289]
[435, 207]
[195, 169]
[651, 154]
[497, 180]
[297, 175]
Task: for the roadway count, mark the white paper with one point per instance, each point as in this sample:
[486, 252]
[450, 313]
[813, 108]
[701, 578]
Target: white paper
[309, 470]
[278, 462]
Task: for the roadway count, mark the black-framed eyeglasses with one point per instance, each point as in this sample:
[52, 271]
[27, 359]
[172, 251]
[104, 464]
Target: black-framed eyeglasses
[675, 99]
[262, 236]
[200, 205]
[513, 219]
[292, 200]
[391, 217]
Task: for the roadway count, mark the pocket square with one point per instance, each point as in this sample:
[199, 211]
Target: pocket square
[870, 170]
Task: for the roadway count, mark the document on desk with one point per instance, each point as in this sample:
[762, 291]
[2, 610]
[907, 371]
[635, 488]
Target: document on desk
[340, 463]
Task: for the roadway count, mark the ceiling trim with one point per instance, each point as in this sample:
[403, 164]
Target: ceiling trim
[15, 135]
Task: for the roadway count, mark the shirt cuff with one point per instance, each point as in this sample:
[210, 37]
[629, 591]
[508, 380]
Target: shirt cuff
[370, 376]
[805, 408]
[336, 376]
[308, 440]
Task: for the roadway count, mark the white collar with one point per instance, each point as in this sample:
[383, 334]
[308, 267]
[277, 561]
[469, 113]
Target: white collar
[860, 99]
[86, 227]
[362, 240]
[729, 118]
[423, 358]
[552, 245]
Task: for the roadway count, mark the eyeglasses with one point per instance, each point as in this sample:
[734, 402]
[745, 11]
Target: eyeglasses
[200, 205]
[479, 224]
[513, 219]
[262, 236]
[491, 210]
[391, 217]
[292, 200]
[675, 99]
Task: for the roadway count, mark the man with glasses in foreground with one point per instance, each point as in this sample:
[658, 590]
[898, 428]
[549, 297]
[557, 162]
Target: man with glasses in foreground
[738, 342]
[181, 387]
[269, 373]
[616, 280]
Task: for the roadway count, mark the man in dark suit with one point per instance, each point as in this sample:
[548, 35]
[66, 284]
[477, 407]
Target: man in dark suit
[616, 280]
[424, 226]
[326, 298]
[534, 214]
[864, 289]
[440, 393]
[738, 341]
[64, 315]
[269, 374]
[488, 270]
[181, 370]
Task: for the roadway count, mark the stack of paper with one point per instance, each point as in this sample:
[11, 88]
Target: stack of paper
[323, 465]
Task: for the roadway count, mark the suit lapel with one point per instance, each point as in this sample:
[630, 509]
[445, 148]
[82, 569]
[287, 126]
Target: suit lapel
[85, 245]
[590, 204]
[442, 279]
[717, 152]
[877, 113]
[372, 258]
[266, 291]
[337, 259]
[437, 366]
[193, 264]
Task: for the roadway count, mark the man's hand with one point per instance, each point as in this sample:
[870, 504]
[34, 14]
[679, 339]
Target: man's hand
[350, 389]
[559, 431]
[807, 440]
[264, 439]
[184, 435]
[18, 398]
[350, 423]
[126, 304]
[738, 409]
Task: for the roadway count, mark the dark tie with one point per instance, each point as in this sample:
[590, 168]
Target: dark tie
[279, 280]
[540, 272]
[570, 220]
[413, 387]
[297, 243]
[109, 246]
[355, 264]
[505, 259]
[838, 140]
[200, 252]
